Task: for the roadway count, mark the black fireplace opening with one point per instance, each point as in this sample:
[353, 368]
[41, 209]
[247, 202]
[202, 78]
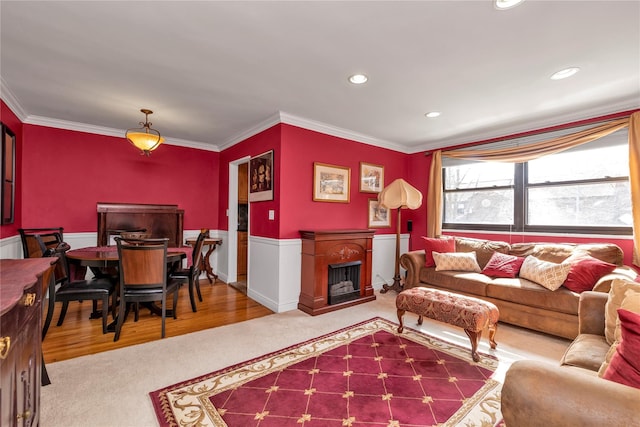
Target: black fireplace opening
[344, 282]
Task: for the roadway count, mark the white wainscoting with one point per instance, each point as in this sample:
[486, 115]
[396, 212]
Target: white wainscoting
[274, 265]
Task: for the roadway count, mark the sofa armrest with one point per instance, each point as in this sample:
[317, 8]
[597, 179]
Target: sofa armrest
[413, 262]
[542, 394]
[624, 272]
[591, 310]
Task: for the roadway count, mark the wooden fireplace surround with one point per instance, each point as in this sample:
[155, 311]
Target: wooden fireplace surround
[320, 248]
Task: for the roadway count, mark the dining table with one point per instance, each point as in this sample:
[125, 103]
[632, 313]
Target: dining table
[103, 262]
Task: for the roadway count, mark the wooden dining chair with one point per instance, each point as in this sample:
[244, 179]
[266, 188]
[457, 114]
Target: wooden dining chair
[143, 277]
[46, 242]
[94, 289]
[191, 275]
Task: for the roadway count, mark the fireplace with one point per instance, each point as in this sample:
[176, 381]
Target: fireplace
[344, 282]
[336, 270]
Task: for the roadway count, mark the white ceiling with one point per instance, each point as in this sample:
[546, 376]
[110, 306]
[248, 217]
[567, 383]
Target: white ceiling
[214, 72]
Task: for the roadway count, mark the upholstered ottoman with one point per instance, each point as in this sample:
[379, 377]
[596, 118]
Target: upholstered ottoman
[471, 314]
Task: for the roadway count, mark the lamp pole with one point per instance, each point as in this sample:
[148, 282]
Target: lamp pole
[397, 283]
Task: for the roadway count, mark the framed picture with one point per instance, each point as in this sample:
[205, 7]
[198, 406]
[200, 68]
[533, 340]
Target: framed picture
[331, 183]
[261, 177]
[371, 178]
[379, 217]
[7, 171]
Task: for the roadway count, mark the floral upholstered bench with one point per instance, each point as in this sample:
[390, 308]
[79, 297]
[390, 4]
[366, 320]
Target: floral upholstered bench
[471, 314]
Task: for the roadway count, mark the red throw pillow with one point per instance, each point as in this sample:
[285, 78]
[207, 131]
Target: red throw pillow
[625, 363]
[443, 245]
[503, 265]
[585, 273]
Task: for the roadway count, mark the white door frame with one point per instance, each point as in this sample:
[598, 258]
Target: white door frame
[232, 223]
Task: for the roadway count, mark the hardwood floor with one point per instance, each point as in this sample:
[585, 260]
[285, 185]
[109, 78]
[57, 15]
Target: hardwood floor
[79, 335]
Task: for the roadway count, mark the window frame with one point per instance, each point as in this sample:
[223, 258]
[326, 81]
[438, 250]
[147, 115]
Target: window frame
[520, 209]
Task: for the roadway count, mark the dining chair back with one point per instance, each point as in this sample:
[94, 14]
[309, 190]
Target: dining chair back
[191, 275]
[143, 277]
[46, 242]
[41, 242]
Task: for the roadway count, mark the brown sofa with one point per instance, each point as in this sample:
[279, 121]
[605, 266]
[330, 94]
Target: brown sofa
[521, 302]
[543, 394]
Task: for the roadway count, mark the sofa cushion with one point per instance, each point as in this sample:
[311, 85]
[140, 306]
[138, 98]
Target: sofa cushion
[548, 274]
[558, 252]
[585, 272]
[503, 265]
[587, 351]
[456, 281]
[441, 245]
[614, 301]
[625, 363]
[484, 249]
[456, 261]
[528, 293]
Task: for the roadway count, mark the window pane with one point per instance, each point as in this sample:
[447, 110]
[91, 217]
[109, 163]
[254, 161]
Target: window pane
[478, 175]
[578, 165]
[595, 205]
[479, 207]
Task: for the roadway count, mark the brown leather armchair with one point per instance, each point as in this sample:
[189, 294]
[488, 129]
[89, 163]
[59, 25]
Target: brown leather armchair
[543, 394]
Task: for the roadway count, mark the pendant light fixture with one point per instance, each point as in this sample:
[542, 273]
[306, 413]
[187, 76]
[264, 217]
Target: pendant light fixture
[145, 138]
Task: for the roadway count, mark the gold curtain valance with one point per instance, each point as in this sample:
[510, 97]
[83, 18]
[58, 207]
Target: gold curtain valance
[532, 151]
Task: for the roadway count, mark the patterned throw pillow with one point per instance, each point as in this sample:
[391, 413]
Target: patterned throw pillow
[548, 274]
[616, 295]
[456, 261]
[437, 245]
[503, 265]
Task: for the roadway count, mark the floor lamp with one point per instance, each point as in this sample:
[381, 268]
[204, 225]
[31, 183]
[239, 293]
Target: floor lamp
[398, 195]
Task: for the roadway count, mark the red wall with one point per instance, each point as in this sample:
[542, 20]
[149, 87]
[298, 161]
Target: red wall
[258, 211]
[65, 173]
[12, 122]
[61, 175]
[300, 149]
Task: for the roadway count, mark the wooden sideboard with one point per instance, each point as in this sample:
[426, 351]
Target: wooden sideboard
[324, 249]
[21, 291]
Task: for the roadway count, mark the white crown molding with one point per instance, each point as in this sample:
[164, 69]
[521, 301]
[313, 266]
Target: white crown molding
[101, 130]
[12, 102]
[625, 105]
[338, 132]
[290, 119]
[270, 121]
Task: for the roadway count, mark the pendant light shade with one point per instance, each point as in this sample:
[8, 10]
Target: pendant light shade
[145, 138]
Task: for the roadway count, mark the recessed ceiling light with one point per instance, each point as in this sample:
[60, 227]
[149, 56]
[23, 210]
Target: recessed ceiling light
[432, 114]
[506, 4]
[563, 74]
[358, 79]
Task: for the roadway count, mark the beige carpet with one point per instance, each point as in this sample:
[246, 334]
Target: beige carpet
[111, 389]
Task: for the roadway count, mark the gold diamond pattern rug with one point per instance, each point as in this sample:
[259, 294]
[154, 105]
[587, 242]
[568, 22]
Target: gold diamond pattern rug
[363, 375]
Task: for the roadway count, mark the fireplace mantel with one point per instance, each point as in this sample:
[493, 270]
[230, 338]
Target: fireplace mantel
[321, 248]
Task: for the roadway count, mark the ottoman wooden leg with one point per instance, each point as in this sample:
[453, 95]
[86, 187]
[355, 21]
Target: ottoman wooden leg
[420, 320]
[474, 337]
[492, 335]
[400, 314]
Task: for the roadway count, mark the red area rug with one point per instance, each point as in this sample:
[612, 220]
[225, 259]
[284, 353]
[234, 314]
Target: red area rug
[364, 375]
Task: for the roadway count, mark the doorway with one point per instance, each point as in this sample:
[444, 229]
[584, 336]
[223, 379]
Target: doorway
[243, 227]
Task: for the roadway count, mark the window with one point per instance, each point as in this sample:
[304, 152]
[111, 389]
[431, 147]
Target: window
[582, 190]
